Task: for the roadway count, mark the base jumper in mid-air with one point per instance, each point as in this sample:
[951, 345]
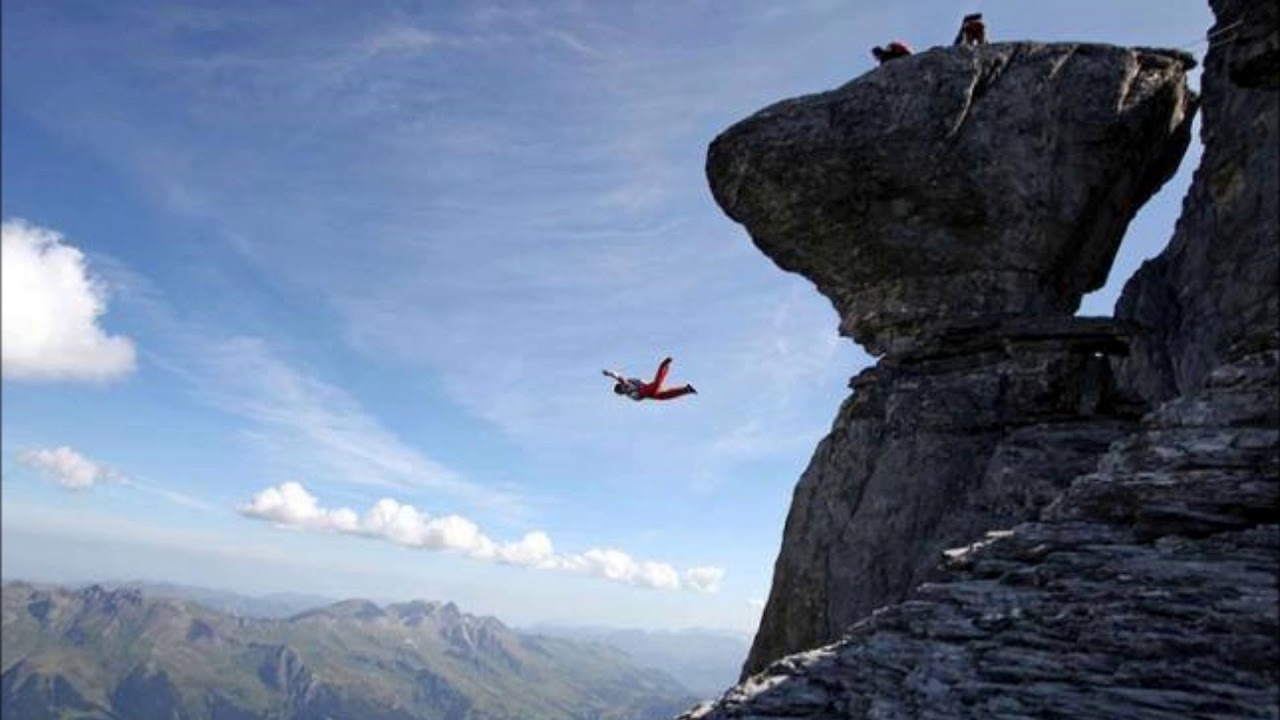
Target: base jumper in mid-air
[638, 390]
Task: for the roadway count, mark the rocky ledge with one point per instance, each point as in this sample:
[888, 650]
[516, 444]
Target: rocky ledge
[959, 183]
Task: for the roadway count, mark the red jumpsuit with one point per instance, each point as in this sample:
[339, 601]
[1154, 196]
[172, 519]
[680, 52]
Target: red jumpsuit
[653, 390]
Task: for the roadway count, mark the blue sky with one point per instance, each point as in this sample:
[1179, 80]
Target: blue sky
[331, 286]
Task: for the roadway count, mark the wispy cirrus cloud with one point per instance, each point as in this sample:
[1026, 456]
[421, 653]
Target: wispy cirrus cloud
[290, 505]
[299, 420]
[756, 437]
[400, 39]
[173, 496]
[318, 426]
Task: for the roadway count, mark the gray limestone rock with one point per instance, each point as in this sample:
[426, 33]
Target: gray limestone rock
[953, 206]
[1211, 294]
[959, 183]
[1144, 593]
[1139, 573]
[980, 427]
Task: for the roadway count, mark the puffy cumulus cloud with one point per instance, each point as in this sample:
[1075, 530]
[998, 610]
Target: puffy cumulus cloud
[533, 550]
[618, 566]
[290, 505]
[704, 579]
[64, 466]
[50, 308]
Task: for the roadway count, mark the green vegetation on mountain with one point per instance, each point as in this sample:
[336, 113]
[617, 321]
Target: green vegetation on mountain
[115, 654]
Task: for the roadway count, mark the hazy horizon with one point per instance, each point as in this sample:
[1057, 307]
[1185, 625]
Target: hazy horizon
[307, 601]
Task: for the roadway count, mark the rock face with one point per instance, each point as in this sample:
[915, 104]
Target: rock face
[1147, 591]
[1134, 580]
[961, 183]
[953, 206]
[980, 426]
[1213, 288]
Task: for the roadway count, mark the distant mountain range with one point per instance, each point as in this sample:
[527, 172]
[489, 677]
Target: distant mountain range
[101, 653]
[707, 662]
[271, 605]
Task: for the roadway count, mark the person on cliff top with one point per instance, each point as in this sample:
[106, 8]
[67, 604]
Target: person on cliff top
[892, 51]
[638, 390]
[972, 31]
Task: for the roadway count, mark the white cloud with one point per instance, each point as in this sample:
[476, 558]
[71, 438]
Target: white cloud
[73, 471]
[290, 505]
[705, 579]
[618, 566]
[533, 550]
[64, 466]
[50, 311]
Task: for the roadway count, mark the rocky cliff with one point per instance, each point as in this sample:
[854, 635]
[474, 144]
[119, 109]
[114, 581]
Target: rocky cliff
[954, 207]
[1213, 288]
[1112, 483]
